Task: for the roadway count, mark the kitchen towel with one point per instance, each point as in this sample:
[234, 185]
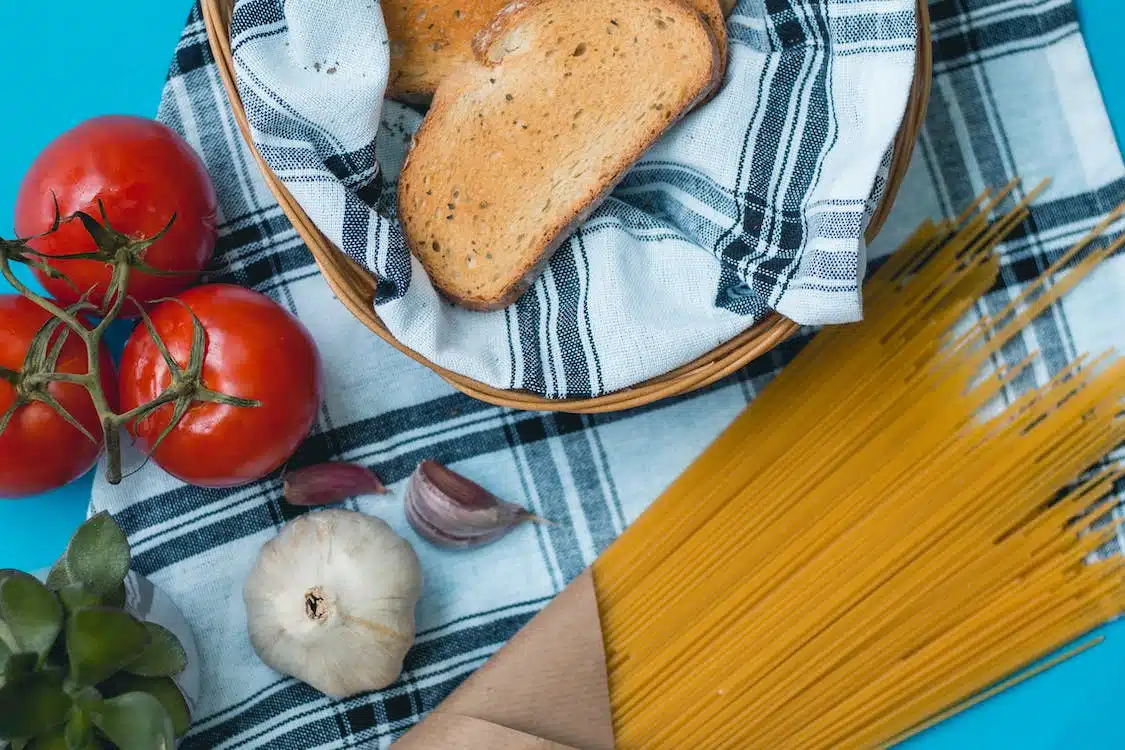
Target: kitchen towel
[757, 200]
[1013, 95]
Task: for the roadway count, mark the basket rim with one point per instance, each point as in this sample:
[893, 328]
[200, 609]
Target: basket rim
[354, 285]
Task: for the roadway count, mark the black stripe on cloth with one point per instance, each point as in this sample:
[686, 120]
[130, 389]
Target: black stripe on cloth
[527, 328]
[580, 249]
[698, 186]
[533, 456]
[1022, 24]
[262, 105]
[509, 333]
[253, 13]
[592, 495]
[192, 50]
[1039, 43]
[950, 168]
[779, 226]
[605, 475]
[550, 291]
[856, 34]
[394, 279]
[673, 214]
[720, 246]
[818, 136]
[354, 231]
[564, 267]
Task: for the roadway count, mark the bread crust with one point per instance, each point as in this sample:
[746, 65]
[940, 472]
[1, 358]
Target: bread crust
[414, 26]
[553, 236]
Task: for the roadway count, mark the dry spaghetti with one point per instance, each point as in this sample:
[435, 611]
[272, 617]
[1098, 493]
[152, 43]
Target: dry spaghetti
[873, 542]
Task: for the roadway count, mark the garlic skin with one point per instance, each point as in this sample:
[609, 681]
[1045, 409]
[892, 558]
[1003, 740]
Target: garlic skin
[331, 600]
[452, 511]
[333, 482]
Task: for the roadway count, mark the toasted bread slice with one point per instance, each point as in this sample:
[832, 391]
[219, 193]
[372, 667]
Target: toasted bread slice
[522, 144]
[430, 38]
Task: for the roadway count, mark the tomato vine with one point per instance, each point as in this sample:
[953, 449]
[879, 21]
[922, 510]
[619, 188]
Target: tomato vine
[31, 382]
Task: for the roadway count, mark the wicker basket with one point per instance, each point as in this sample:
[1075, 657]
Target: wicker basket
[355, 286]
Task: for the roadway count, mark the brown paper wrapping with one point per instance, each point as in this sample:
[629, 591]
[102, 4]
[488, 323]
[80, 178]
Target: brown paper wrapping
[546, 689]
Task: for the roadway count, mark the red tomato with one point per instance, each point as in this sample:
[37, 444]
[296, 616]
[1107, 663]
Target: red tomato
[39, 450]
[254, 350]
[144, 173]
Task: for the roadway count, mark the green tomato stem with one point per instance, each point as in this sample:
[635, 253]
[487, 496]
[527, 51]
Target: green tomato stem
[33, 380]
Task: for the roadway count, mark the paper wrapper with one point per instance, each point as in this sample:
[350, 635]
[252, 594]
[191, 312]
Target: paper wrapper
[546, 689]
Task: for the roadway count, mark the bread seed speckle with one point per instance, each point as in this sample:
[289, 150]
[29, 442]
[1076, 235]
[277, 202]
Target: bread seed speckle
[579, 50]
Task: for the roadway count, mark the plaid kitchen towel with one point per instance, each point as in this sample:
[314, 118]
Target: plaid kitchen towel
[1013, 95]
[757, 200]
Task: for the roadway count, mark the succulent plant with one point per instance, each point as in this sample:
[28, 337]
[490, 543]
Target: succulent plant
[77, 671]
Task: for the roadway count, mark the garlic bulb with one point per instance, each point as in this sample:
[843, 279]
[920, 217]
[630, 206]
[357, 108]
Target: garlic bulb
[331, 600]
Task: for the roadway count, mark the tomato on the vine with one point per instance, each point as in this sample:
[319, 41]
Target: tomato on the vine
[143, 173]
[39, 449]
[255, 350]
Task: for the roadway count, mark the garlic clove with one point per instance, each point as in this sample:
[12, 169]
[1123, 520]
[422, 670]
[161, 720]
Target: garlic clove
[331, 601]
[449, 510]
[324, 484]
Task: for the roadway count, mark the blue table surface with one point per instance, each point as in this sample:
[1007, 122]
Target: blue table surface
[65, 61]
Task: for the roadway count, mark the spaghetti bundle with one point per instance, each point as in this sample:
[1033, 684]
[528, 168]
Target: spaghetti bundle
[874, 541]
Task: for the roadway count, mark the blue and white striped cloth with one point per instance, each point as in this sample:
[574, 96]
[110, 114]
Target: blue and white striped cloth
[1013, 95]
[757, 200]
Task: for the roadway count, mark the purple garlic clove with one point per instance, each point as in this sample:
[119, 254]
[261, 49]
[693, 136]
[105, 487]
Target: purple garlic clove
[448, 510]
[324, 484]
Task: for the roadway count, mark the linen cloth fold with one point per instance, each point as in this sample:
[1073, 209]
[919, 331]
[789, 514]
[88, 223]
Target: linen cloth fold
[1013, 95]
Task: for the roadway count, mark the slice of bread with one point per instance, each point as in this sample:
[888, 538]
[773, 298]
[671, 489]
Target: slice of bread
[524, 142]
[431, 38]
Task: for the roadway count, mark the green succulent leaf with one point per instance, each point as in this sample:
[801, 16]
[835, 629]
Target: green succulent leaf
[163, 657]
[32, 613]
[59, 576]
[98, 555]
[32, 704]
[86, 698]
[135, 721]
[115, 598]
[7, 640]
[164, 689]
[101, 641]
[5, 654]
[75, 596]
[55, 739]
[19, 665]
[79, 734]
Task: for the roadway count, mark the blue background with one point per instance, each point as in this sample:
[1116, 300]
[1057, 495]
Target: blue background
[65, 61]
